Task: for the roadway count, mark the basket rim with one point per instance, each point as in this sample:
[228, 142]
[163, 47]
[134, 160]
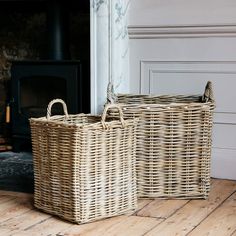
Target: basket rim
[158, 95]
[168, 105]
[97, 124]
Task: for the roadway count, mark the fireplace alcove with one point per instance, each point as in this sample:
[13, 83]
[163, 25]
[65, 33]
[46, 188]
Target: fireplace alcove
[54, 36]
[34, 84]
[55, 74]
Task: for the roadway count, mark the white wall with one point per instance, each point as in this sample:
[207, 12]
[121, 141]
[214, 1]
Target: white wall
[178, 45]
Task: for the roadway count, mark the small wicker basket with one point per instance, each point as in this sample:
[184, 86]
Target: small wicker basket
[84, 166]
[173, 142]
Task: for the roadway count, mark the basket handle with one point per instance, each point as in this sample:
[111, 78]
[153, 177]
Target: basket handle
[111, 96]
[49, 109]
[104, 114]
[208, 94]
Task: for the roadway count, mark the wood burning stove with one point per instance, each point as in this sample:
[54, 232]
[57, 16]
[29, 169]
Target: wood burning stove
[34, 84]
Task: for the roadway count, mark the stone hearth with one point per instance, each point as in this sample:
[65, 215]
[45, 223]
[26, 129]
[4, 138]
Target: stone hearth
[16, 171]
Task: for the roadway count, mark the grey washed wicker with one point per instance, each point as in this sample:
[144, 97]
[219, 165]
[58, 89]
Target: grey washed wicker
[84, 166]
[173, 143]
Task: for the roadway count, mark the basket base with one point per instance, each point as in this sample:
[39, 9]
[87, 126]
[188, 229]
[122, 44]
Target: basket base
[83, 221]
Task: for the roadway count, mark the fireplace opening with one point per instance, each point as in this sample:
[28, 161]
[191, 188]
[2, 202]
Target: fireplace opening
[34, 97]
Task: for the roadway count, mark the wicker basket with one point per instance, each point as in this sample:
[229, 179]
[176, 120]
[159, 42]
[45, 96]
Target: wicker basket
[173, 143]
[84, 166]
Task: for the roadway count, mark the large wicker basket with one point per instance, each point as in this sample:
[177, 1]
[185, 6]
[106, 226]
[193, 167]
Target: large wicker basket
[84, 166]
[173, 143]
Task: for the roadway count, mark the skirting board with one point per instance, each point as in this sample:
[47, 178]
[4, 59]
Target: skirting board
[223, 163]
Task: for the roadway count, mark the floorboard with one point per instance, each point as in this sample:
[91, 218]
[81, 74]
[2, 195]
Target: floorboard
[215, 216]
[220, 222]
[195, 211]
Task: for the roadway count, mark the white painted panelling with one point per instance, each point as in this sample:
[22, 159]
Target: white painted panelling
[224, 118]
[172, 12]
[182, 31]
[223, 164]
[224, 136]
[190, 78]
[180, 49]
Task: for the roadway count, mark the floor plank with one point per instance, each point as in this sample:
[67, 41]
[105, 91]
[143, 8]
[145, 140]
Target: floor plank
[51, 226]
[121, 225]
[133, 225]
[4, 199]
[141, 204]
[95, 228]
[6, 231]
[15, 207]
[191, 214]
[222, 222]
[234, 233]
[19, 233]
[213, 217]
[162, 208]
[15, 194]
[26, 220]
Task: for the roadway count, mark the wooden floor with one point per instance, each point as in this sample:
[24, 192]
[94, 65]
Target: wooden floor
[215, 216]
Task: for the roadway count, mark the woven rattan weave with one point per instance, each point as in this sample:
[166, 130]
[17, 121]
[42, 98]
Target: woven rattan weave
[84, 166]
[173, 143]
